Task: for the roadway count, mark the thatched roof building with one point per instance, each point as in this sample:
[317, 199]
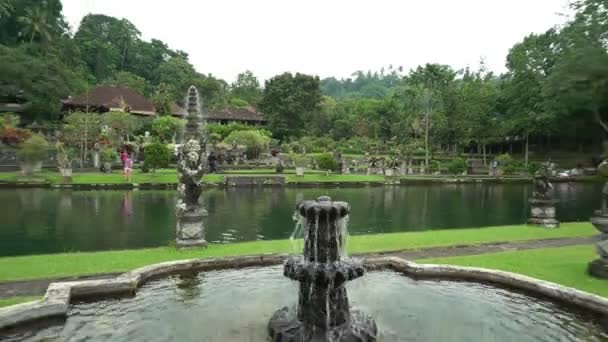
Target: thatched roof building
[245, 115]
[110, 98]
[107, 98]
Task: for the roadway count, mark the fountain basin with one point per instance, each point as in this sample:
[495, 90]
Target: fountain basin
[188, 307]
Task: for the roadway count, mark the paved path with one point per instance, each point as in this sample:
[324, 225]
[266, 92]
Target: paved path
[38, 287]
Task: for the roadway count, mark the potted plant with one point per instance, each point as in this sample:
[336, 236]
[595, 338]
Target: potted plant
[299, 162]
[108, 155]
[65, 156]
[32, 153]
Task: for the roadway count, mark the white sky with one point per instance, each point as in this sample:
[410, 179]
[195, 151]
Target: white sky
[330, 37]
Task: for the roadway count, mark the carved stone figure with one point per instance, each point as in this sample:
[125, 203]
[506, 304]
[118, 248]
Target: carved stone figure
[542, 204]
[191, 168]
[599, 267]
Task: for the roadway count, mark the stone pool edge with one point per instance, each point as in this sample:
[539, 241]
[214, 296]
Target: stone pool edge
[58, 296]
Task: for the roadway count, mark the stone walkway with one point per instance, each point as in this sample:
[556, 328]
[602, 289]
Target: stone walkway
[38, 287]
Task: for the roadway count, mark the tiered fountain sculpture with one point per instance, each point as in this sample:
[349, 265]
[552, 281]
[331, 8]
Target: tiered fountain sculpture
[542, 204]
[599, 267]
[322, 313]
[191, 167]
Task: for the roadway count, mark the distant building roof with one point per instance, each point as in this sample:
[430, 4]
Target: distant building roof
[113, 98]
[242, 114]
[176, 110]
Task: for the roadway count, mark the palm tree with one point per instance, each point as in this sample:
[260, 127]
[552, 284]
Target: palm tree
[6, 8]
[35, 22]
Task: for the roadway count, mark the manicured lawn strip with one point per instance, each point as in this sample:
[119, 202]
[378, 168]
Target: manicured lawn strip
[86, 263]
[267, 172]
[564, 265]
[163, 176]
[16, 300]
[322, 178]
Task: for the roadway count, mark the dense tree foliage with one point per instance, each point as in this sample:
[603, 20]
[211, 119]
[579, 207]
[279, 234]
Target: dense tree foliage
[554, 88]
[289, 101]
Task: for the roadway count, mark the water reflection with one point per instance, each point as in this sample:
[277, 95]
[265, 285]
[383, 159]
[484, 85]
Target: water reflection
[50, 221]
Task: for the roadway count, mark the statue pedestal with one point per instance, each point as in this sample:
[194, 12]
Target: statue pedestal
[190, 229]
[599, 268]
[542, 213]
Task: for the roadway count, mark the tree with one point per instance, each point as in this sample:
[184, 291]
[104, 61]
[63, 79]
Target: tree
[166, 127]
[428, 104]
[579, 85]
[247, 87]
[81, 131]
[6, 8]
[476, 114]
[288, 101]
[121, 124]
[36, 24]
[30, 21]
[106, 44]
[127, 79]
[177, 74]
[529, 63]
[162, 99]
[41, 81]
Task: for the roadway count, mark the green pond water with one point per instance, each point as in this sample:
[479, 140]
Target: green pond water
[38, 221]
[235, 306]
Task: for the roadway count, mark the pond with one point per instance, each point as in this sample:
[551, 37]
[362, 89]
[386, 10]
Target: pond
[236, 306]
[39, 221]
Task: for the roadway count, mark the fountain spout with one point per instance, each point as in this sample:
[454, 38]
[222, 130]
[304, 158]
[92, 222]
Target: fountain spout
[323, 312]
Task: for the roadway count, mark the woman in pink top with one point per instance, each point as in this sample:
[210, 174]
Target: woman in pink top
[128, 168]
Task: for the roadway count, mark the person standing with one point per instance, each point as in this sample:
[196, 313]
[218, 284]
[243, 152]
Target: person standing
[123, 157]
[128, 167]
[211, 160]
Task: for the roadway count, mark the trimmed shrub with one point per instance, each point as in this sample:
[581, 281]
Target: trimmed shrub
[507, 163]
[255, 141]
[457, 166]
[326, 161]
[156, 156]
[108, 155]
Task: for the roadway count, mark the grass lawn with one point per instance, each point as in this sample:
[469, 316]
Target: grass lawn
[266, 172]
[323, 178]
[170, 176]
[565, 265]
[70, 264]
[116, 177]
[17, 300]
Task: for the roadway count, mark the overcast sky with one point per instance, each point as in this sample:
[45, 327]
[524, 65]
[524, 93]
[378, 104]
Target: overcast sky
[330, 37]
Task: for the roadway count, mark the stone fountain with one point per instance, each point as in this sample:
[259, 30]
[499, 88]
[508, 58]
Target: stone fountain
[599, 267]
[323, 312]
[542, 203]
[191, 168]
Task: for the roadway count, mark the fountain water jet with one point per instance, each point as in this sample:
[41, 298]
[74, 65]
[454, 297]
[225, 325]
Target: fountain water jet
[322, 312]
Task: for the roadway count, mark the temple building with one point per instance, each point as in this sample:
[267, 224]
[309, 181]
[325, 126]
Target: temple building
[107, 98]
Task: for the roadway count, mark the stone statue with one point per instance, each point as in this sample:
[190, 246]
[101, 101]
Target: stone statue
[191, 168]
[599, 267]
[542, 204]
[543, 188]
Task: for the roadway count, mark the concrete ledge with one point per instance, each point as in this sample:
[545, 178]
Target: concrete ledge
[530, 285]
[58, 296]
